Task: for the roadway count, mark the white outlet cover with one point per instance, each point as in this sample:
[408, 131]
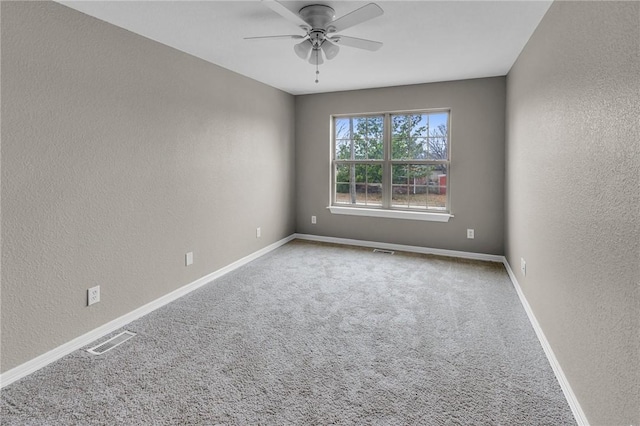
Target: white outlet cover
[258, 232]
[93, 295]
[313, 220]
[188, 258]
[470, 234]
[523, 267]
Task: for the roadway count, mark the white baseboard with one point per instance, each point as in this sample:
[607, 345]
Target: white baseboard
[53, 355]
[576, 409]
[401, 247]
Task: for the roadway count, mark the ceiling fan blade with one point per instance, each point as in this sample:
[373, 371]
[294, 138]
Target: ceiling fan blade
[292, 36]
[359, 43]
[356, 17]
[290, 16]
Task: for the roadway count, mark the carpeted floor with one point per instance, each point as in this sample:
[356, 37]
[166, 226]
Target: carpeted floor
[314, 334]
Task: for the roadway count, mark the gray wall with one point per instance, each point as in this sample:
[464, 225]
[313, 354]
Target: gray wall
[477, 167]
[573, 197]
[119, 155]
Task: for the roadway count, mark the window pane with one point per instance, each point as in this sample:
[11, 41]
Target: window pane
[360, 126]
[398, 125]
[374, 185]
[419, 136]
[418, 196]
[361, 187]
[418, 176]
[399, 150]
[375, 149]
[359, 147]
[408, 148]
[438, 120]
[375, 127]
[359, 138]
[359, 184]
[420, 127]
[368, 187]
[371, 130]
[343, 149]
[342, 126]
[399, 189]
[437, 195]
[421, 149]
[361, 195]
[399, 174]
[399, 137]
[418, 186]
[343, 184]
[416, 124]
[437, 148]
[374, 174]
[404, 143]
[438, 136]
[399, 196]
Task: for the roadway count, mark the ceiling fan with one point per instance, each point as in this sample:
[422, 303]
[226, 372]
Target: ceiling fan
[317, 21]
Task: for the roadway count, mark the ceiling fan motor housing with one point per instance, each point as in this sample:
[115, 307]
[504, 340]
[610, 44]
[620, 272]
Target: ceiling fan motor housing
[317, 15]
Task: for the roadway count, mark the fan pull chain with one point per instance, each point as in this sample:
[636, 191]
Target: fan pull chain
[317, 72]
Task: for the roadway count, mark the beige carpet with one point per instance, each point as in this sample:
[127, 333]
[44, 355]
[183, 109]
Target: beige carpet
[315, 334]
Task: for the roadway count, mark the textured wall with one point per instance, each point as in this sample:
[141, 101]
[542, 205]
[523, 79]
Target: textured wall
[119, 155]
[573, 197]
[476, 175]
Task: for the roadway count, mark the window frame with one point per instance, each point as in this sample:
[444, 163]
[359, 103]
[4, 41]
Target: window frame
[387, 209]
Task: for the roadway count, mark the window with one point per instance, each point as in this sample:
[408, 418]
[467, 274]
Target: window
[392, 161]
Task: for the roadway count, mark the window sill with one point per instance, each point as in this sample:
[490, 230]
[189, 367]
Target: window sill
[392, 214]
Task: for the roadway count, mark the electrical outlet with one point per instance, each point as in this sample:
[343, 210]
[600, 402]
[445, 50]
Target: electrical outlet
[471, 234]
[93, 295]
[258, 232]
[313, 220]
[188, 259]
[523, 267]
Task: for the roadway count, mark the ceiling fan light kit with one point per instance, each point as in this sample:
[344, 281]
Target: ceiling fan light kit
[330, 50]
[317, 20]
[303, 49]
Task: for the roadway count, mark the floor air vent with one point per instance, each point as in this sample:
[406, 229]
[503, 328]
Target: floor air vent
[383, 251]
[111, 343]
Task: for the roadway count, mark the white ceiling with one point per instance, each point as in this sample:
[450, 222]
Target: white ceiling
[424, 41]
